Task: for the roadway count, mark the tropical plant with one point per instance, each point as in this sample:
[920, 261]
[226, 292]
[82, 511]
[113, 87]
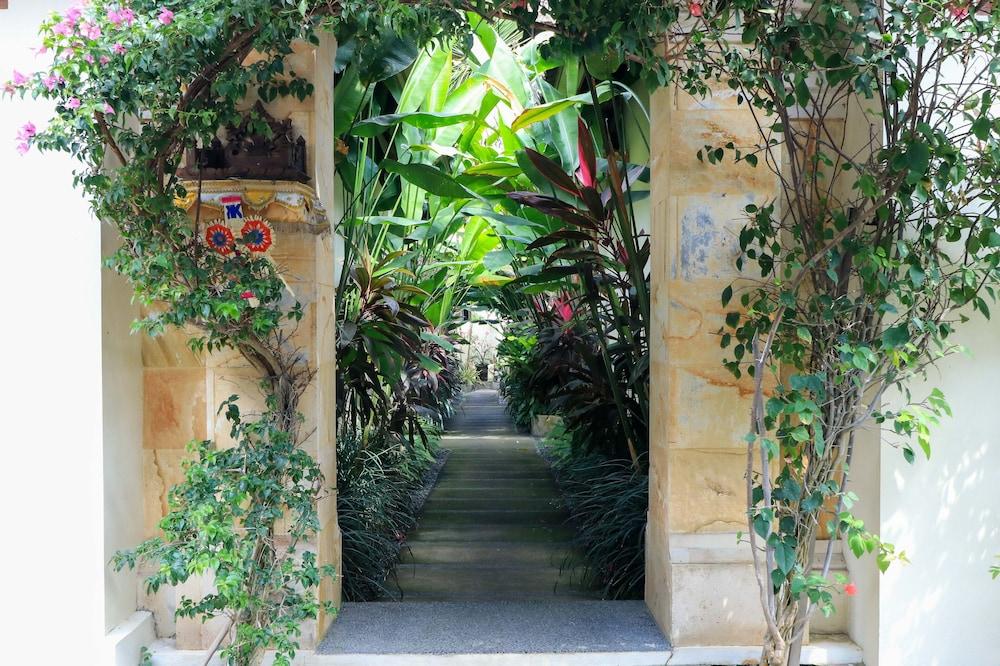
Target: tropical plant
[523, 398]
[265, 589]
[602, 314]
[608, 500]
[377, 482]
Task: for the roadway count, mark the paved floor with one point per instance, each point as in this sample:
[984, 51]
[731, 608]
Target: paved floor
[493, 627]
[493, 528]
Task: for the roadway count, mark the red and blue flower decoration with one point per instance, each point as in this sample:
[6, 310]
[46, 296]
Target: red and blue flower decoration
[220, 238]
[255, 234]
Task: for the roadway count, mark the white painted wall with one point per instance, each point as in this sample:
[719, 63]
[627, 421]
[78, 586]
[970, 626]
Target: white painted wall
[51, 340]
[72, 407]
[943, 609]
[122, 419]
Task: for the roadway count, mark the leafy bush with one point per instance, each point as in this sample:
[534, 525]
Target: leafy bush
[523, 397]
[607, 499]
[376, 486]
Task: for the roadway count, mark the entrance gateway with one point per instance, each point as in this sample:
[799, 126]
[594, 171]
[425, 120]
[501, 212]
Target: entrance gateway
[700, 589]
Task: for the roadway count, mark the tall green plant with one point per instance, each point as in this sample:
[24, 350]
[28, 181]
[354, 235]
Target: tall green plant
[601, 247]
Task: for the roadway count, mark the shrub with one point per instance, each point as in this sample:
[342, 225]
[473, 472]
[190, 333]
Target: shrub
[377, 483]
[607, 499]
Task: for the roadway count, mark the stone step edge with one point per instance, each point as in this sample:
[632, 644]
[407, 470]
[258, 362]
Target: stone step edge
[819, 653]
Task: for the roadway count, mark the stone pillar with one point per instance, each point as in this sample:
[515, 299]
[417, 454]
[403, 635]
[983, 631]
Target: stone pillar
[699, 584]
[324, 176]
[183, 390]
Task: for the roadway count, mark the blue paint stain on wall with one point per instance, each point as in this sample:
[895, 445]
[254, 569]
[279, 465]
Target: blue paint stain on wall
[699, 237]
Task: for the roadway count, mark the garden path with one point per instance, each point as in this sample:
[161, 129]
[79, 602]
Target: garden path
[493, 528]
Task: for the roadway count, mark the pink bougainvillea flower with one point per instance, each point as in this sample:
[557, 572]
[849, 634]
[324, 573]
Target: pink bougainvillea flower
[23, 147]
[126, 15]
[850, 589]
[18, 79]
[73, 13]
[695, 9]
[89, 58]
[90, 30]
[108, 109]
[27, 131]
[115, 17]
[256, 234]
[118, 48]
[41, 50]
[51, 81]
[64, 28]
[104, 60]
[220, 238]
[73, 103]
[247, 295]
[166, 17]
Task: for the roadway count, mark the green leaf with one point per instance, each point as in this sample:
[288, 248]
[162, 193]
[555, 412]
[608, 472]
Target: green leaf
[419, 119]
[537, 114]
[895, 336]
[428, 364]
[444, 343]
[784, 557]
[430, 179]
[981, 128]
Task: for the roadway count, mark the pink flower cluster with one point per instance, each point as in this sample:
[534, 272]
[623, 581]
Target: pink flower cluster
[124, 16]
[53, 80]
[166, 16]
[24, 137]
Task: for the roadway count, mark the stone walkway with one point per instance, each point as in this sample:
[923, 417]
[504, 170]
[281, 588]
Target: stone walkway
[493, 528]
[485, 576]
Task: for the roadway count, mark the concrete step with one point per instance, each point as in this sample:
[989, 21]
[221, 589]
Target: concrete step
[491, 500]
[446, 517]
[523, 491]
[555, 554]
[504, 472]
[470, 582]
[478, 533]
[463, 481]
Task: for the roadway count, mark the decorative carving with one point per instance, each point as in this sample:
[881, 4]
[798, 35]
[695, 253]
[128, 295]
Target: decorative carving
[250, 154]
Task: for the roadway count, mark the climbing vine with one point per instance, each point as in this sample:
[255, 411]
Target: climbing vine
[879, 122]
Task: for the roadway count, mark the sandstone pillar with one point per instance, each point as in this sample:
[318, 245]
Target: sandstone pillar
[700, 584]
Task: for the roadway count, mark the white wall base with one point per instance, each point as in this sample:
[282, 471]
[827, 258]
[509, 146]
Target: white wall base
[830, 652]
[123, 644]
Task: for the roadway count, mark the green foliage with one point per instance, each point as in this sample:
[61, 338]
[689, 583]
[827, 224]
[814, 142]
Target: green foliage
[608, 500]
[266, 584]
[592, 354]
[181, 68]
[517, 364]
[377, 481]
